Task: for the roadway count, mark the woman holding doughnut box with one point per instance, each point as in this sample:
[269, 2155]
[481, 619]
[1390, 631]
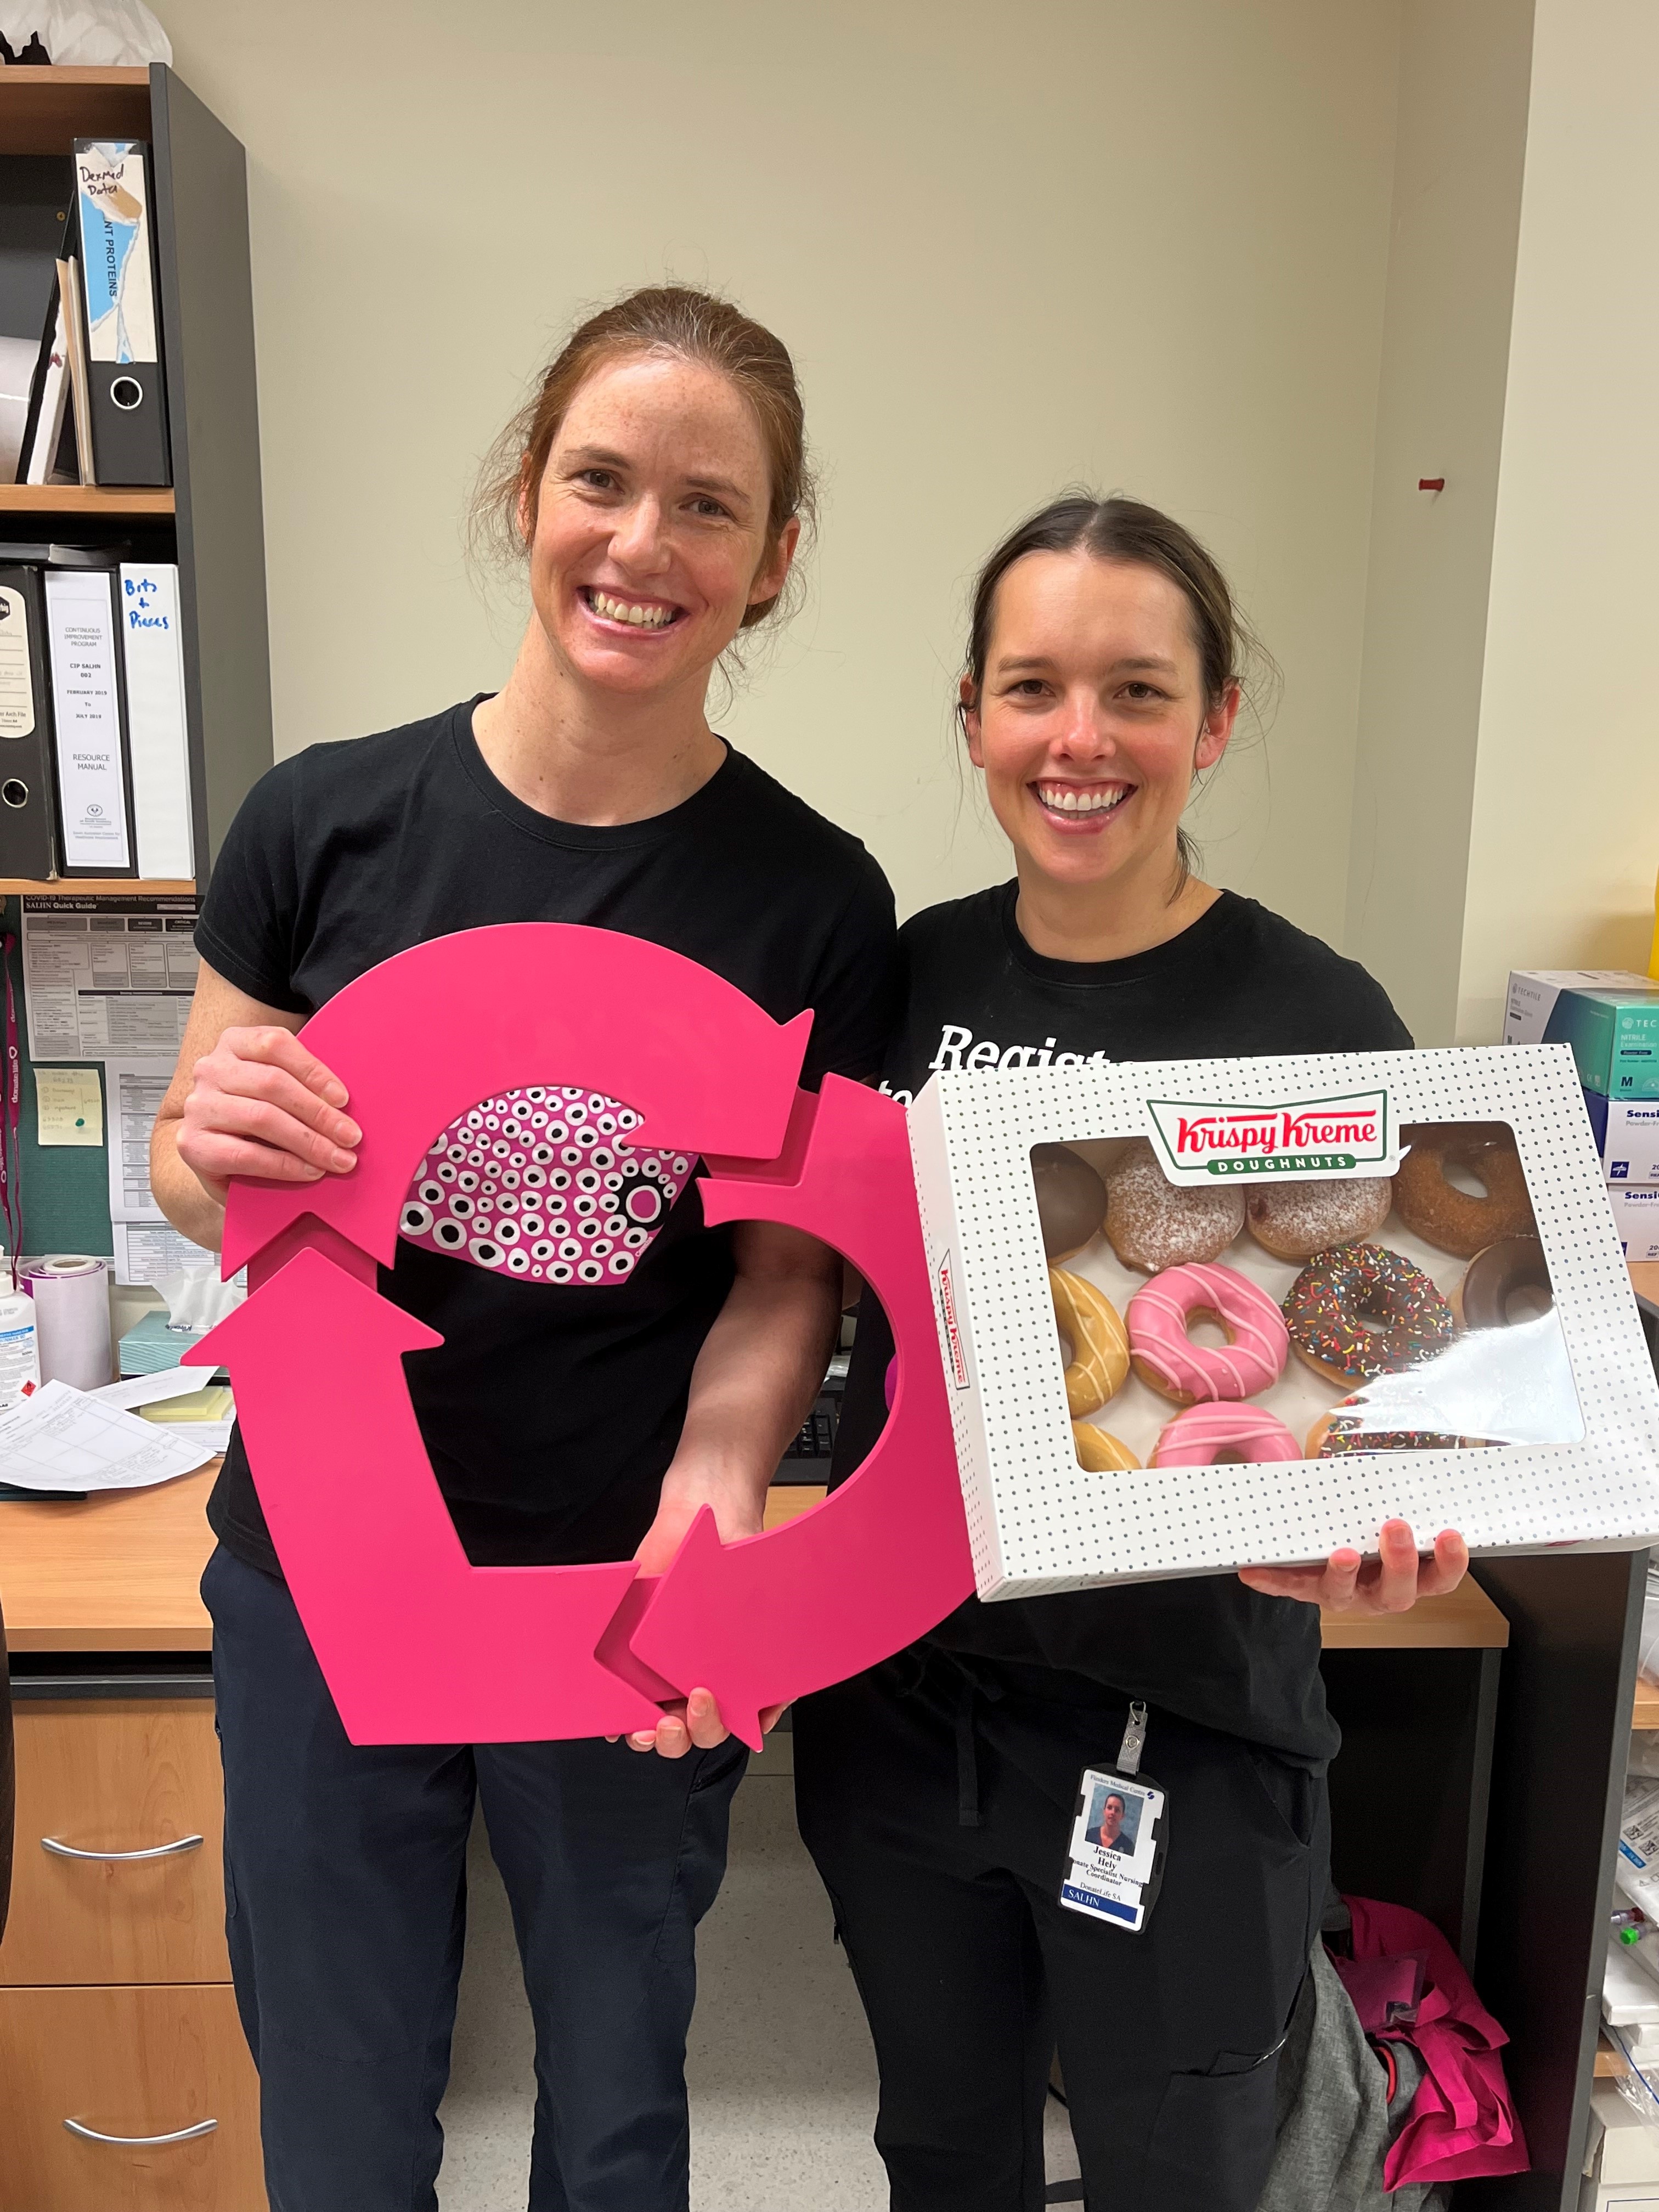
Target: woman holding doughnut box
[608, 1365]
[937, 1792]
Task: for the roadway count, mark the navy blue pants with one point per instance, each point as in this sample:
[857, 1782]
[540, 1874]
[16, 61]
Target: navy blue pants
[345, 1889]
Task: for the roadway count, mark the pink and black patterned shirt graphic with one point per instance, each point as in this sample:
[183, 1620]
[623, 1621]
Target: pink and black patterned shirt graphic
[542, 1183]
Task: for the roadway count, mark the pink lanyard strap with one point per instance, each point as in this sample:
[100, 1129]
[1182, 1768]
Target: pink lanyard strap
[11, 1159]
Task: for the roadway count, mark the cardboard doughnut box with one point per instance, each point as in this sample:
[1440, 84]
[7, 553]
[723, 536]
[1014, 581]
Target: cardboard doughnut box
[1281, 1301]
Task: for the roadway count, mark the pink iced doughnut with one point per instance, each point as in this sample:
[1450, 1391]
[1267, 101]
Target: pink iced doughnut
[1203, 1434]
[1165, 1357]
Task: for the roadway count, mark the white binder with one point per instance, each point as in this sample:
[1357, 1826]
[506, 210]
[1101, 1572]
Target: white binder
[92, 782]
[157, 740]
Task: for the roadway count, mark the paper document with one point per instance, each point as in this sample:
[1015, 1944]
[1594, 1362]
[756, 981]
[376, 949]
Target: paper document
[62, 1439]
[147, 1253]
[152, 1389]
[69, 1106]
[108, 977]
[136, 1088]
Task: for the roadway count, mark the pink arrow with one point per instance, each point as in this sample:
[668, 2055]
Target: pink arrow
[417, 1645]
[886, 1557]
[541, 1002]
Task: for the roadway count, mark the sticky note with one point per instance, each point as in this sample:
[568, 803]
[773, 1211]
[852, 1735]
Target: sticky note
[69, 1106]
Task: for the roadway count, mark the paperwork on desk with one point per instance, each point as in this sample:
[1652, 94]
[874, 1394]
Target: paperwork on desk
[148, 1249]
[86, 1440]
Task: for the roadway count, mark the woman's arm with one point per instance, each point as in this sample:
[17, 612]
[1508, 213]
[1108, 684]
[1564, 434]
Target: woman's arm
[245, 1099]
[761, 1366]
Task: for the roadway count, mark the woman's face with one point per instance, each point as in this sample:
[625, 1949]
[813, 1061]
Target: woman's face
[1092, 718]
[650, 541]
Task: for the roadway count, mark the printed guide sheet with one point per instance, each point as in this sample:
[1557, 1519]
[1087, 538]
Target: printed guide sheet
[109, 978]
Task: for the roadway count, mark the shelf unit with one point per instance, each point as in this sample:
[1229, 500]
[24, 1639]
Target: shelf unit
[211, 521]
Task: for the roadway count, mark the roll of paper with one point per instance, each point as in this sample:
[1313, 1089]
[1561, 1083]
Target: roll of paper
[20, 1361]
[71, 1319]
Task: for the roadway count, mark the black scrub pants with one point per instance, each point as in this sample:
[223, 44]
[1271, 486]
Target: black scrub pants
[345, 1889]
[937, 1805]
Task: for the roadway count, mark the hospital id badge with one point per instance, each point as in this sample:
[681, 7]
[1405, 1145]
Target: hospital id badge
[1115, 1858]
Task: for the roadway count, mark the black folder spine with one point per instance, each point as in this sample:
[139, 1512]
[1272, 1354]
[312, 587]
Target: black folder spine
[28, 812]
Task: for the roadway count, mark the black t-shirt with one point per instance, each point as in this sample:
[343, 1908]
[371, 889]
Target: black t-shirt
[550, 1411]
[1240, 982]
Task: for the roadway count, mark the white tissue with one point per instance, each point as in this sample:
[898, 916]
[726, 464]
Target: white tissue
[196, 1299]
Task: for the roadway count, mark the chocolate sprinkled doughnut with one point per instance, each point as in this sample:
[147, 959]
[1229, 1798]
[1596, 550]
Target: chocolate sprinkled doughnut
[1336, 1433]
[1295, 1220]
[1152, 1224]
[1450, 1219]
[1492, 1278]
[1071, 1198]
[1324, 1309]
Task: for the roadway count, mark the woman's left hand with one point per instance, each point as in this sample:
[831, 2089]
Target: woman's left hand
[1391, 1583]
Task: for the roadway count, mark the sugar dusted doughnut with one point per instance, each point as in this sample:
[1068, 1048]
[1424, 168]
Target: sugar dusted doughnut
[1071, 1198]
[1205, 1434]
[1165, 1356]
[1294, 1220]
[1151, 1222]
[1334, 1296]
[1099, 1452]
[1090, 1324]
[1450, 1219]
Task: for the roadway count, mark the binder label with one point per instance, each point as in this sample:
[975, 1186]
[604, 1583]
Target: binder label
[115, 251]
[92, 788]
[16, 672]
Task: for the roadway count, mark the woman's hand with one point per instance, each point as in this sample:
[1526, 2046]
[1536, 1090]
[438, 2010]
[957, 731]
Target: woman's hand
[1391, 1583]
[695, 1723]
[260, 1103]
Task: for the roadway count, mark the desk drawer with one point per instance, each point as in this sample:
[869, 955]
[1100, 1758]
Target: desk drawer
[115, 1776]
[128, 2062]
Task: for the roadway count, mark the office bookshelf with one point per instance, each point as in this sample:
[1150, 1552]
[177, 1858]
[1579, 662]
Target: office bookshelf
[210, 522]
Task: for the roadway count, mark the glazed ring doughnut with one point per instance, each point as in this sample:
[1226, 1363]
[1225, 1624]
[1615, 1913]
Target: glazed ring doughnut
[1099, 1452]
[1294, 1220]
[1335, 1295]
[1331, 1436]
[1090, 1324]
[1205, 1434]
[1165, 1355]
[1452, 1219]
[1071, 1198]
[1493, 1277]
[1152, 1223]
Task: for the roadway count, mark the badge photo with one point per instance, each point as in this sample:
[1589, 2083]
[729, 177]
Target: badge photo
[1117, 1849]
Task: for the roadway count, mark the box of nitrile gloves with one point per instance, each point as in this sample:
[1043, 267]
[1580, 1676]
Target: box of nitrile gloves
[1609, 1017]
[1636, 1218]
[1626, 1133]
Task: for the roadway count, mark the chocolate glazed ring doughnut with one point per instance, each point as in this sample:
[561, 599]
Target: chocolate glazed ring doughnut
[1071, 1198]
[1450, 1219]
[1495, 1276]
[1334, 1296]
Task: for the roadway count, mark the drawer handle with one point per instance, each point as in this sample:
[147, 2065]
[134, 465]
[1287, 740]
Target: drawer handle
[178, 2134]
[156, 1851]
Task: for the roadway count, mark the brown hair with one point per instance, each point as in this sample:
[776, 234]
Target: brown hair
[662, 318]
[1120, 529]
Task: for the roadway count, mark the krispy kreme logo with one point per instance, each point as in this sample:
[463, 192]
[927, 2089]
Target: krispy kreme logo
[1199, 1141]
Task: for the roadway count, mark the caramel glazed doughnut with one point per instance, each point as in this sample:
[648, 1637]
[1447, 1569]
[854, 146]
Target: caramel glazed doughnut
[1493, 1277]
[1089, 1323]
[1152, 1224]
[1452, 1219]
[1323, 1312]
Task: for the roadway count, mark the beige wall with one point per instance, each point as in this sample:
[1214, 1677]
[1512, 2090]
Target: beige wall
[1565, 835]
[1011, 247]
[1464, 74]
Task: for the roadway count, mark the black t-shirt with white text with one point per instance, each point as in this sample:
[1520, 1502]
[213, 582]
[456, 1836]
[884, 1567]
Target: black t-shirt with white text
[1238, 983]
[552, 1409]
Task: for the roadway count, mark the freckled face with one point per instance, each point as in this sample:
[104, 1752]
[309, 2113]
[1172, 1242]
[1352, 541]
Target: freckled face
[650, 540]
[1093, 718]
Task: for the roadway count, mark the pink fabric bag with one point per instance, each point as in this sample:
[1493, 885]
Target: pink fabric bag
[1463, 2122]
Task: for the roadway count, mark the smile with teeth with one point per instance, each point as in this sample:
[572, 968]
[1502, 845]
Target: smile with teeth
[638, 616]
[1076, 805]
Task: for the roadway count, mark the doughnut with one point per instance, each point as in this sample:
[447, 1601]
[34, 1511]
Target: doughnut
[1331, 1437]
[1492, 1278]
[1089, 1323]
[1099, 1452]
[1450, 1218]
[1328, 1299]
[1165, 1356]
[1294, 1220]
[1152, 1223]
[1071, 1198]
[1203, 1434]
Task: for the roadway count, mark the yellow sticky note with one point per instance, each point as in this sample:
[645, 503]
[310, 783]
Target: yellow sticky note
[69, 1106]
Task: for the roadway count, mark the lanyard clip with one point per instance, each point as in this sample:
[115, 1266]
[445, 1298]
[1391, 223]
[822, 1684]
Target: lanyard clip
[1134, 1740]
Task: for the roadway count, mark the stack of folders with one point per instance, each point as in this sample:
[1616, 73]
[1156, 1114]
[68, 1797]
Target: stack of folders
[97, 409]
[94, 754]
